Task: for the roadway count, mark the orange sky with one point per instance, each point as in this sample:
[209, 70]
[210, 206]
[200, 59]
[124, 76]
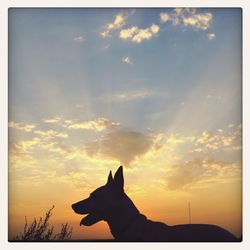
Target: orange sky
[213, 200]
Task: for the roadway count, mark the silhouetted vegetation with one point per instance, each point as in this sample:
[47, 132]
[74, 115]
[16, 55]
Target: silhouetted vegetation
[39, 230]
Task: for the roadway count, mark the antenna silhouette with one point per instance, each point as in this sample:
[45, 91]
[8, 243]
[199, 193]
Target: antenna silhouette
[189, 213]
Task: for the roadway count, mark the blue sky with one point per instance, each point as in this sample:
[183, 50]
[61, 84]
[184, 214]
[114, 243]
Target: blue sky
[52, 72]
[157, 90]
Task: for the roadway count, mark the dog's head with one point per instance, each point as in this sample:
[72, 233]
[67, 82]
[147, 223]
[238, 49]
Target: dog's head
[102, 201]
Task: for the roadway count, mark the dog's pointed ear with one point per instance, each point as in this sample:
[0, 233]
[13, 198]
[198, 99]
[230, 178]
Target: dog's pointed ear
[110, 178]
[118, 179]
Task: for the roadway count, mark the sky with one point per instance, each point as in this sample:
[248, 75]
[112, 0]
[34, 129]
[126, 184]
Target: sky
[155, 90]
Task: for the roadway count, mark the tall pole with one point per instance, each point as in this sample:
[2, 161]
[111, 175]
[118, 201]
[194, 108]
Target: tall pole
[189, 213]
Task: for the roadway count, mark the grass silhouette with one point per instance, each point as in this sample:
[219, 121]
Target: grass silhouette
[40, 230]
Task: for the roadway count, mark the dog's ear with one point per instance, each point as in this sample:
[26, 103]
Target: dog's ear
[110, 178]
[118, 179]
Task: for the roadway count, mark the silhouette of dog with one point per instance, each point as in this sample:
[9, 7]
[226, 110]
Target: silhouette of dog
[111, 204]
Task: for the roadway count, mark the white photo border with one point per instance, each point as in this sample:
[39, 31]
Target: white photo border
[5, 4]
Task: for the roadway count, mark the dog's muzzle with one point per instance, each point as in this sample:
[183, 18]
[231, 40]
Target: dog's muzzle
[85, 207]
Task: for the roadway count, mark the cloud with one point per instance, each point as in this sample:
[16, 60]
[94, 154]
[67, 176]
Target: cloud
[130, 95]
[20, 155]
[219, 140]
[128, 33]
[188, 17]
[203, 138]
[201, 172]
[42, 161]
[105, 33]
[29, 151]
[123, 145]
[52, 120]
[126, 60]
[211, 36]
[137, 35]
[199, 21]
[58, 148]
[22, 126]
[78, 39]
[118, 22]
[164, 17]
[51, 133]
[154, 28]
[20, 148]
[99, 124]
[174, 139]
[24, 147]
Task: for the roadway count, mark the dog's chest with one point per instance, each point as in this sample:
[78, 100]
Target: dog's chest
[145, 230]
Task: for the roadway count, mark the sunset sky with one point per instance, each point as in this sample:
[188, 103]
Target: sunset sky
[156, 90]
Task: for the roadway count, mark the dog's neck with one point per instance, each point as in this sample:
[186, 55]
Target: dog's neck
[123, 216]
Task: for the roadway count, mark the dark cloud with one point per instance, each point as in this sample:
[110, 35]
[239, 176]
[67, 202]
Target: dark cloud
[123, 145]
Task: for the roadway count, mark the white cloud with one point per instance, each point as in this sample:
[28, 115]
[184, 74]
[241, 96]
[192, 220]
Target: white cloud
[126, 60]
[118, 22]
[137, 35]
[154, 28]
[211, 36]
[126, 34]
[188, 17]
[78, 39]
[164, 17]
[185, 17]
[199, 21]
